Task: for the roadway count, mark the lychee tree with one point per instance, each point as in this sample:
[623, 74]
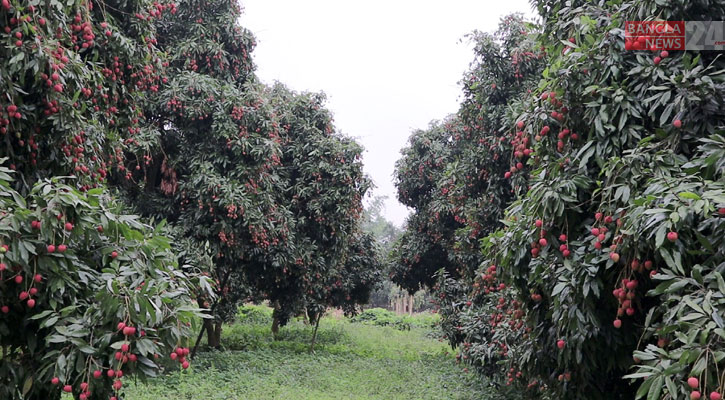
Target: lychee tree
[457, 175]
[594, 226]
[488, 163]
[89, 294]
[324, 184]
[425, 245]
[611, 254]
[254, 176]
[84, 303]
[482, 152]
[206, 162]
[385, 234]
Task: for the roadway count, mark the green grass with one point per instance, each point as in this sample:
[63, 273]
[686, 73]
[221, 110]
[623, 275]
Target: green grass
[351, 361]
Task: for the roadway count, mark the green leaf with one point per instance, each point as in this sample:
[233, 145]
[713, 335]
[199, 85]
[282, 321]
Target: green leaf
[648, 320]
[644, 387]
[720, 282]
[49, 322]
[689, 195]
[27, 385]
[638, 375]
[677, 285]
[41, 315]
[665, 116]
[56, 339]
[675, 265]
[17, 58]
[718, 319]
[699, 366]
[692, 305]
[656, 389]
[660, 235]
[671, 388]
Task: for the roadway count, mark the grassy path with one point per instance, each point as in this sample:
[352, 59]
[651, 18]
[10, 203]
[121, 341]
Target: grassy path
[353, 361]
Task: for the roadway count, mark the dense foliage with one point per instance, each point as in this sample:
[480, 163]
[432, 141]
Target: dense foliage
[83, 299]
[206, 162]
[73, 78]
[331, 262]
[606, 279]
[89, 295]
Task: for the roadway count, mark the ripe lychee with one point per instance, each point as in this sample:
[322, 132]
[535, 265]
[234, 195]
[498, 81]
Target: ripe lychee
[693, 382]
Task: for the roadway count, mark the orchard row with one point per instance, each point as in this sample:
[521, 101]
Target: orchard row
[244, 192]
[570, 218]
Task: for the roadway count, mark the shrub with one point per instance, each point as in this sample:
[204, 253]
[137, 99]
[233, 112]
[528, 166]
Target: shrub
[254, 315]
[383, 317]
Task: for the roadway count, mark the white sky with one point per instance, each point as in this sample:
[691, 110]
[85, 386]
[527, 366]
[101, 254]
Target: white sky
[388, 67]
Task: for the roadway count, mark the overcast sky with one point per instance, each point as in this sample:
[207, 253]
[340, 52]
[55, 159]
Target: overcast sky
[388, 67]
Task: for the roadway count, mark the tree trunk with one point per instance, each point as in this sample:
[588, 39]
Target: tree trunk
[314, 334]
[205, 327]
[152, 174]
[211, 333]
[412, 304]
[218, 335]
[275, 321]
[275, 327]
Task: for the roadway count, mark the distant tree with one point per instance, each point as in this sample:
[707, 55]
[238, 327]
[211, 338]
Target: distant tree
[324, 184]
[351, 284]
[375, 223]
[425, 245]
[387, 234]
[460, 174]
